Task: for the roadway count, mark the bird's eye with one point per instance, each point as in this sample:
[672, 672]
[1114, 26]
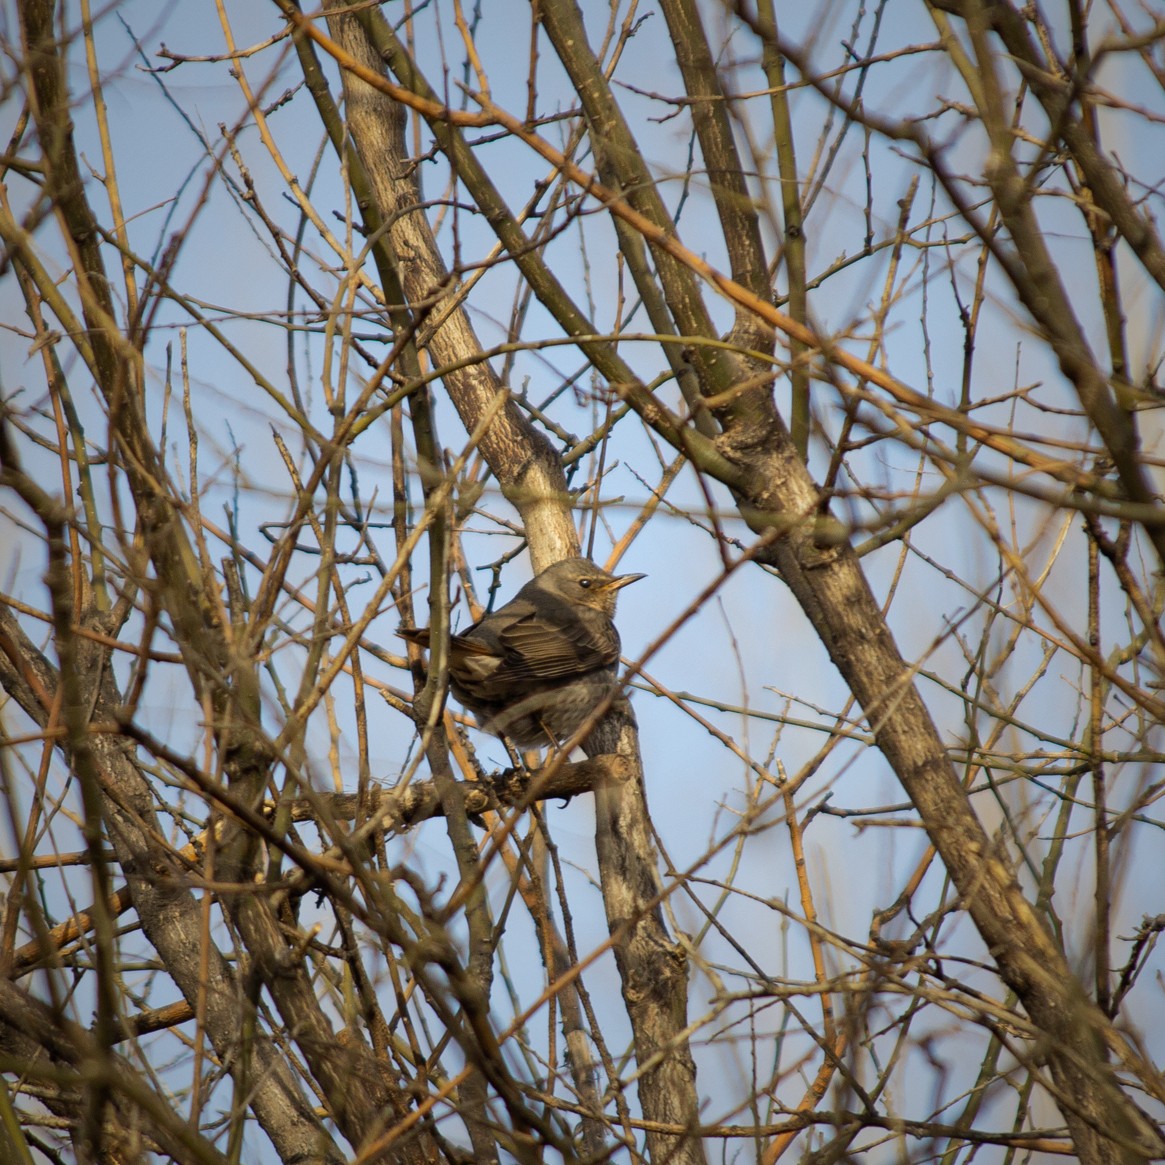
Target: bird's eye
[584, 582]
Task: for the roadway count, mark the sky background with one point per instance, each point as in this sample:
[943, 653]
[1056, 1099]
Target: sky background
[750, 648]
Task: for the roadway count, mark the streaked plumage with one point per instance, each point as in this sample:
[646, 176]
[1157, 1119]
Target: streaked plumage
[537, 667]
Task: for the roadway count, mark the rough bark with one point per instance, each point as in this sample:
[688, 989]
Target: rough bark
[779, 499]
[652, 965]
[169, 913]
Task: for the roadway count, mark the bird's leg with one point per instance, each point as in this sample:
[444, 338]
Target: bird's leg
[517, 760]
[532, 760]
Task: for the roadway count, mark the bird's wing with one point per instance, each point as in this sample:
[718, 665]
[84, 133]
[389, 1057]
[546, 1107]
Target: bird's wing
[461, 643]
[540, 647]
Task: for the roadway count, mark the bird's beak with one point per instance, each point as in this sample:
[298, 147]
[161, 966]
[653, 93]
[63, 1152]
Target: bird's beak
[623, 580]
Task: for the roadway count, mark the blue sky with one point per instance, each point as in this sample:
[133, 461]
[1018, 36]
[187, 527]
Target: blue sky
[751, 647]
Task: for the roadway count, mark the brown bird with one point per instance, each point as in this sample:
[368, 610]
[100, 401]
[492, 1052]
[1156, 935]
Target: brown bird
[537, 667]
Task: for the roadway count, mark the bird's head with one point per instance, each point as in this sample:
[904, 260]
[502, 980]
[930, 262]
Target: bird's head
[580, 581]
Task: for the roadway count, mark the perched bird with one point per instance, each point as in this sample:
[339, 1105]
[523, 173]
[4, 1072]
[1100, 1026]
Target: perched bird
[536, 668]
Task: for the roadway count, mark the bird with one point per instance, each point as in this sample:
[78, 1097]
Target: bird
[537, 667]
